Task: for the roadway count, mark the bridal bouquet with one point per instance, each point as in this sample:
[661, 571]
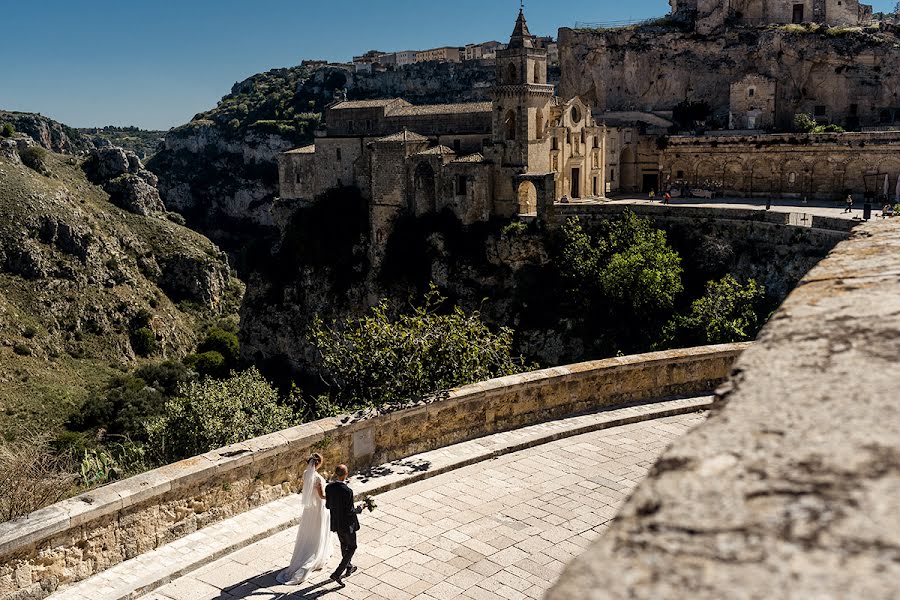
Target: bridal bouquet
[369, 503]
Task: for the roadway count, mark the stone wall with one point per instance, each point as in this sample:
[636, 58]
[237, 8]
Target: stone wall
[76, 538]
[790, 489]
[822, 166]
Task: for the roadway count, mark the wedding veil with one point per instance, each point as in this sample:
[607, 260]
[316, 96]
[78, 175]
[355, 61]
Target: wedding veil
[309, 485]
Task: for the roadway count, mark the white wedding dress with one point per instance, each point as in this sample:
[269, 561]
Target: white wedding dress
[314, 544]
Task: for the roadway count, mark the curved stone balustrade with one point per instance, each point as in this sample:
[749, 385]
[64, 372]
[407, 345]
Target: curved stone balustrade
[789, 489]
[74, 539]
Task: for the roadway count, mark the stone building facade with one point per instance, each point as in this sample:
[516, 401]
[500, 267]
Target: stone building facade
[822, 166]
[752, 105]
[522, 150]
[710, 15]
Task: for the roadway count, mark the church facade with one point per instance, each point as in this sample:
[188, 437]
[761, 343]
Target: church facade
[524, 149]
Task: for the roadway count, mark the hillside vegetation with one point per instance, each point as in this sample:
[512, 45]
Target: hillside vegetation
[88, 289]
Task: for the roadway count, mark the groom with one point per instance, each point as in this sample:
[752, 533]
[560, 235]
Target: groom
[339, 500]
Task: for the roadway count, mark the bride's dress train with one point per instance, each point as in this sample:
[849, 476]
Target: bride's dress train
[314, 545]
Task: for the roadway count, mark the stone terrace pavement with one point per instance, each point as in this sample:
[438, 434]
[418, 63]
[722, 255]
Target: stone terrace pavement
[503, 528]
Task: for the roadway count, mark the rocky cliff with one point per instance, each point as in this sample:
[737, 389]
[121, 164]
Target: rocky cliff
[47, 133]
[852, 73]
[87, 287]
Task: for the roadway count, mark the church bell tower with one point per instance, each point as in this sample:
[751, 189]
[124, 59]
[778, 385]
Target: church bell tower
[521, 99]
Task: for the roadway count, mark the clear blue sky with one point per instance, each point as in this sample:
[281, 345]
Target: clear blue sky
[156, 63]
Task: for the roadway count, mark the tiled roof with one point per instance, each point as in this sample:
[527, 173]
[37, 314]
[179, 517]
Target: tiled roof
[442, 109]
[349, 104]
[470, 158]
[437, 150]
[311, 149]
[404, 136]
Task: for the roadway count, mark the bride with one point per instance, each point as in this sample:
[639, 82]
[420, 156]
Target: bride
[314, 545]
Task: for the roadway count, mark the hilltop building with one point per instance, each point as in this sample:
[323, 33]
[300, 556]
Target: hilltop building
[499, 158]
[710, 15]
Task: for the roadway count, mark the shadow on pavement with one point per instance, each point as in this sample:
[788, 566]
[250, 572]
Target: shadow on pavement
[262, 586]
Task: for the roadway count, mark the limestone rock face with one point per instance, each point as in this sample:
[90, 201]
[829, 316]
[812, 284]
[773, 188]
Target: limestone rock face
[129, 185]
[790, 489]
[47, 133]
[135, 195]
[656, 68]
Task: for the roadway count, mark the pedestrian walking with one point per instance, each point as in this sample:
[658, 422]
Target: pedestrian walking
[652, 194]
[666, 198]
[849, 202]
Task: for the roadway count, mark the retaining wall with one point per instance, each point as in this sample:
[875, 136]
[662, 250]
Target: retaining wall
[77, 538]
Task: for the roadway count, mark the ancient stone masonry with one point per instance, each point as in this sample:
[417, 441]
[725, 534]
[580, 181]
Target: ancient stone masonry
[823, 166]
[507, 157]
[710, 15]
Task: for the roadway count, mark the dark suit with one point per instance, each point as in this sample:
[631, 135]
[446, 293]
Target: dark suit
[339, 500]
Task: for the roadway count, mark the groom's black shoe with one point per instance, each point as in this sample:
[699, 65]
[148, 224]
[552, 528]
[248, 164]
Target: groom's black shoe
[337, 580]
[351, 570]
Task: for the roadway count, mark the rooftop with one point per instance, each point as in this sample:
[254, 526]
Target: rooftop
[404, 136]
[351, 104]
[311, 149]
[436, 150]
[441, 109]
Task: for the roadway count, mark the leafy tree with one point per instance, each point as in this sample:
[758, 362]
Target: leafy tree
[7, 130]
[379, 360]
[213, 413]
[727, 312]
[626, 278]
[691, 115]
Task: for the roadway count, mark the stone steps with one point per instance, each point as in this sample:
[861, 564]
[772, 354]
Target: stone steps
[143, 574]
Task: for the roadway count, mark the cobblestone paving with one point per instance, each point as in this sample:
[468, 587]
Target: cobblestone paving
[500, 529]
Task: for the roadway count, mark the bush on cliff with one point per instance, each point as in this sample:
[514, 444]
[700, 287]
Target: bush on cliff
[35, 158]
[377, 360]
[7, 130]
[625, 277]
[728, 312]
[213, 413]
[127, 401]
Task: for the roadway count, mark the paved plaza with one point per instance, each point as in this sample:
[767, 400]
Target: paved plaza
[820, 208]
[503, 528]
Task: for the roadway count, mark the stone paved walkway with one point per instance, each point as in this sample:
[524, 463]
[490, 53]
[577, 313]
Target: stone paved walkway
[500, 529]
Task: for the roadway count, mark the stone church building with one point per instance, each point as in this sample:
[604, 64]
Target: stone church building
[500, 158]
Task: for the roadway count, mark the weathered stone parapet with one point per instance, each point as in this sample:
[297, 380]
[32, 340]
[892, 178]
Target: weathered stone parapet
[74, 539]
[790, 489]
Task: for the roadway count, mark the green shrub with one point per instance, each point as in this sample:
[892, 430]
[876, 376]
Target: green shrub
[143, 341]
[728, 312]
[29, 332]
[207, 364]
[22, 350]
[34, 157]
[379, 360]
[127, 401]
[7, 130]
[225, 343]
[514, 229]
[213, 413]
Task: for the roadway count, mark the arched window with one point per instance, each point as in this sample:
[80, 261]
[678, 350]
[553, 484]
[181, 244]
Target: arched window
[512, 74]
[510, 124]
[539, 124]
